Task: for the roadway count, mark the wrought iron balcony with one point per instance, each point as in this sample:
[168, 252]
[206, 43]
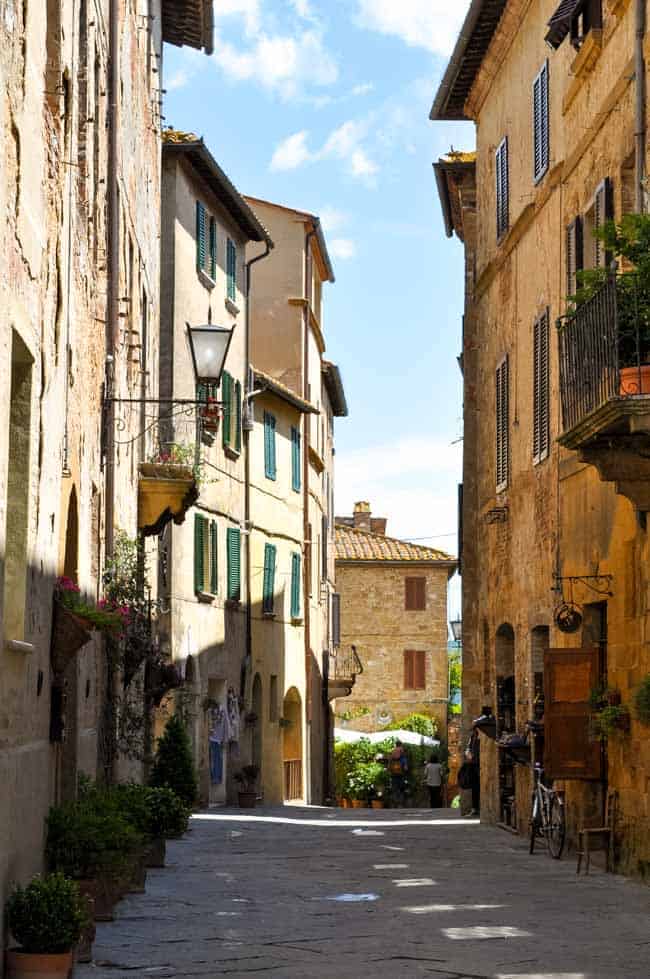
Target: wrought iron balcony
[346, 667]
[604, 349]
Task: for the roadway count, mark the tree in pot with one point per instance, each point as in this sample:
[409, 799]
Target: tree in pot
[173, 766]
[246, 778]
[46, 918]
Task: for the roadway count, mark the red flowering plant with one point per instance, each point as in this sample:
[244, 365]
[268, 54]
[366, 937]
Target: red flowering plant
[96, 616]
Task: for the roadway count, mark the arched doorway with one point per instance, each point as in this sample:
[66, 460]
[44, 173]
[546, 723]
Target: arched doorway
[71, 553]
[506, 721]
[256, 731]
[292, 745]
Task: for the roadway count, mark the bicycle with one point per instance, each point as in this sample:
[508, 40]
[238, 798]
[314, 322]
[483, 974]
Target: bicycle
[547, 816]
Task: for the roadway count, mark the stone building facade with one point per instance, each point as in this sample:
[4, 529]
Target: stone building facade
[288, 345]
[80, 115]
[393, 602]
[554, 513]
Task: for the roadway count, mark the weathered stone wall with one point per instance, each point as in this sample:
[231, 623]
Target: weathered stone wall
[558, 516]
[374, 620]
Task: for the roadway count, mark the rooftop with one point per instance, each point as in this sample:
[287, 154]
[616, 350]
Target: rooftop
[267, 383]
[304, 216]
[353, 544]
[189, 22]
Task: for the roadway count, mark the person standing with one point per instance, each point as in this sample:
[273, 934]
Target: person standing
[433, 780]
[398, 767]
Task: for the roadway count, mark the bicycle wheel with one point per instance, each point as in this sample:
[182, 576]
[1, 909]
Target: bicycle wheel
[535, 822]
[556, 832]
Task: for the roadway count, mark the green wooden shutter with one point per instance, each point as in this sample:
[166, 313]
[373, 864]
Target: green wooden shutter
[200, 235]
[269, 445]
[213, 248]
[295, 459]
[268, 592]
[214, 567]
[234, 564]
[238, 416]
[199, 564]
[226, 387]
[231, 264]
[295, 586]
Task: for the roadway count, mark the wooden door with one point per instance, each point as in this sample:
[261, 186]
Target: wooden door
[569, 677]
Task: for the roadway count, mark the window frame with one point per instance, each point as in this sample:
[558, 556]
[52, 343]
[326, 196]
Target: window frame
[502, 183]
[502, 418]
[268, 580]
[233, 538]
[415, 669]
[296, 568]
[270, 446]
[231, 270]
[206, 556]
[296, 473]
[206, 241]
[541, 123]
[415, 590]
[541, 388]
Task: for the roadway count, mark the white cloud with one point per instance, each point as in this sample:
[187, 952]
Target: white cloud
[291, 152]
[251, 45]
[331, 218]
[362, 165]
[342, 141]
[178, 80]
[342, 248]
[363, 89]
[430, 24]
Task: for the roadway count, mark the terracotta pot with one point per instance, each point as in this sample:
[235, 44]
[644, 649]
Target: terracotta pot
[69, 634]
[635, 380]
[102, 892]
[26, 965]
[346, 803]
[377, 804]
[247, 800]
[358, 804]
[155, 854]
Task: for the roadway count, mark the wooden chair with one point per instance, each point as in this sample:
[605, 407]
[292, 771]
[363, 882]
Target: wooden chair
[592, 839]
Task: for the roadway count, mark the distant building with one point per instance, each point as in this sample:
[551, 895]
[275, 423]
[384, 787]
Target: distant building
[393, 599]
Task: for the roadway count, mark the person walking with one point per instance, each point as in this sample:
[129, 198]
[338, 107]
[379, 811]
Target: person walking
[433, 780]
[398, 767]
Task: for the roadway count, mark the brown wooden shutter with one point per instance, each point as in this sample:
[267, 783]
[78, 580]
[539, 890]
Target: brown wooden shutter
[409, 599]
[409, 671]
[569, 677]
[415, 594]
[574, 255]
[541, 413]
[502, 425]
[420, 670]
[502, 187]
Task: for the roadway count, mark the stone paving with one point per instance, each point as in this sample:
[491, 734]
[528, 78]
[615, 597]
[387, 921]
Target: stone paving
[311, 893]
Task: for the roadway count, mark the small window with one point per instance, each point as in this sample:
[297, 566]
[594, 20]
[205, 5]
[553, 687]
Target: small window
[270, 470]
[574, 18]
[414, 669]
[502, 188]
[415, 594]
[234, 564]
[206, 241]
[541, 391]
[295, 586]
[231, 270]
[295, 459]
[574, 255]
[502, 425]
[205, 555]
[268, 585]
[540, 124]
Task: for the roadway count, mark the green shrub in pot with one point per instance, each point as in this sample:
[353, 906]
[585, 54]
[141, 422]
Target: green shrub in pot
[173, 767]
[48, 916]
[84, 843]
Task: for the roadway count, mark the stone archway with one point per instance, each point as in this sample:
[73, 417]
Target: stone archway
[292, 745]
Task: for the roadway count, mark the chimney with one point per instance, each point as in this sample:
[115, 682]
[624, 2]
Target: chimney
[362, 515]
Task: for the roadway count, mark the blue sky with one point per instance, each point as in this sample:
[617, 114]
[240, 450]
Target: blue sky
[323, 105]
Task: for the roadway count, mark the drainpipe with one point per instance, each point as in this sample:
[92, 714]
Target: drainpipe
[640, 121]
[113, 269]
[247, 427]
[305, 490]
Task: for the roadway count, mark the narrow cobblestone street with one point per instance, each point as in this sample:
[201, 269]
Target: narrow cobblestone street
[328, 893]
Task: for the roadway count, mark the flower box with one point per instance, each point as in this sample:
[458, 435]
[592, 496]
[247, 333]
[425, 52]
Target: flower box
[69, 634]
[166, 491]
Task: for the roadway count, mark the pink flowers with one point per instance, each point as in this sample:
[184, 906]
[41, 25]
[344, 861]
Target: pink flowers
[64, 584]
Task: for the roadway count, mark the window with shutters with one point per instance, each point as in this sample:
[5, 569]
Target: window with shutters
[324, 551]
[541, 145]
[541, 388]
[295, 459]
[502, 188]
[336, 620]
[270, 470]
[206, 579]
[415, 597]
[231, 270]
[233, 552]
[295, 586]
[502, 425]
[268, 583]
[574, 259]
[414, 669]
[206, 242]
[599, 211]
[231, 424]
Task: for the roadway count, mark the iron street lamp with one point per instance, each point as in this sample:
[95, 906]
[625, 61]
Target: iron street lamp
[457, 630]
[209, 348]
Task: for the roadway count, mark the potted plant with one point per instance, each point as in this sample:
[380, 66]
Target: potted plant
[73, 620]
[610, 720]
[173, 766]
[47, 919]
[167, 487]
[246, 778]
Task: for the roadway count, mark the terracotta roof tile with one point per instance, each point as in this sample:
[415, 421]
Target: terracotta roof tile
[353, 544]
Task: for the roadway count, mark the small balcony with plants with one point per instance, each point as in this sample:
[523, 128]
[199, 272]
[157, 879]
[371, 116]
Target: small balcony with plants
[167, 487]
[604, 352]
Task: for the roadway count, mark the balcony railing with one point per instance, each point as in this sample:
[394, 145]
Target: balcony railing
[293, 779]
[604, 352]
[347, 665]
